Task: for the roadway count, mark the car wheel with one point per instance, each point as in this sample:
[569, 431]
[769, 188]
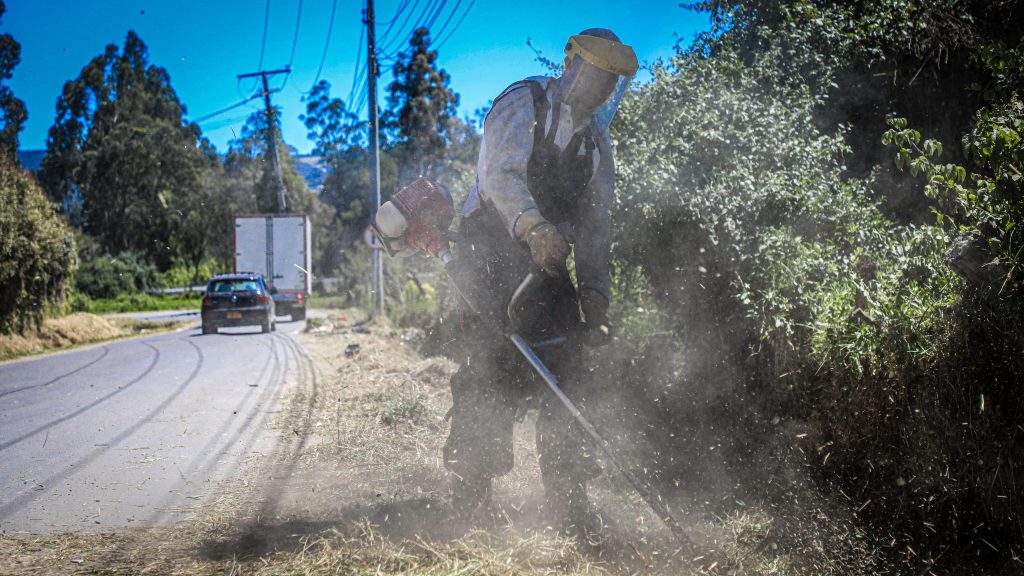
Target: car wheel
[273, 326]
[207, 329]
[298, 314]
[265, 327]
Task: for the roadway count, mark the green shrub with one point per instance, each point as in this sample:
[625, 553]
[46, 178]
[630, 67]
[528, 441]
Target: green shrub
[405, 407]
[111, 276]
[37, 251]
[183, 274]
[354, 274]
[415, 289]
[751, 266]
[417, 305]
[135, 302]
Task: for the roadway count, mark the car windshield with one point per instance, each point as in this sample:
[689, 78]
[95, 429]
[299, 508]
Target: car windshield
[222, 286]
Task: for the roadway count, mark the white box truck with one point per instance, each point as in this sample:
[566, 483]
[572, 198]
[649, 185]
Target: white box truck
[278, 246]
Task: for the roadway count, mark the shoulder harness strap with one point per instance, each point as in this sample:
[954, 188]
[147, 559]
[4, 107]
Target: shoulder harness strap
[541, 106]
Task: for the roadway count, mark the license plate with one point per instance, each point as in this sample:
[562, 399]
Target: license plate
[234, 315]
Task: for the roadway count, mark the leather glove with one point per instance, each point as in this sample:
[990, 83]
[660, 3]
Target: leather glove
[548, 247]
[595, 314]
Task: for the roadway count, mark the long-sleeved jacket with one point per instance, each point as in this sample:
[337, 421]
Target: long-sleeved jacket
[502, 180]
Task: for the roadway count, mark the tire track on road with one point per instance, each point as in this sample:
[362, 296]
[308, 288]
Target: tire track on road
[48, 484]
[286, 456]
[106, 350]
[215, 448]
[38, 430]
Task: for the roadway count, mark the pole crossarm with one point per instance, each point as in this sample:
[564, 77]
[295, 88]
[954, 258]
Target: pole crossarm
[282, 200]
[285, 70]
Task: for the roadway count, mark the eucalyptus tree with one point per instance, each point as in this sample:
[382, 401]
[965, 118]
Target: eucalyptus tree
[12, 109]
[121, 142]
[421, 115]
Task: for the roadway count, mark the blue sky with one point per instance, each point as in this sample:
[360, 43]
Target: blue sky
[205, 44]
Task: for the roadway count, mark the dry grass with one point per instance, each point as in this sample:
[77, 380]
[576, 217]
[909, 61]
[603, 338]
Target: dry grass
[357, 487]
[74, 330]
[332, 552]
[377, 424]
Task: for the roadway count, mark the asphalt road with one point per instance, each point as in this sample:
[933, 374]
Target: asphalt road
[138, 432]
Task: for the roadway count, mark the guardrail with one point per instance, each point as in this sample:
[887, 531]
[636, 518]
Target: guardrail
[200, 288]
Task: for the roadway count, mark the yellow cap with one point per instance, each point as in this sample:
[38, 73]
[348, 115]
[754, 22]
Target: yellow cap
[607, 55]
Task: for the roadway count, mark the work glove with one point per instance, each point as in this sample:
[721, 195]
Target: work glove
[548, 247]
[595, 316]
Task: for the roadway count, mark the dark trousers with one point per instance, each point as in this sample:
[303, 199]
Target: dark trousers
[495, 384]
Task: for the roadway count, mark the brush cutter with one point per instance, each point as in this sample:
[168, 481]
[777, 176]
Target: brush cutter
[417, 218]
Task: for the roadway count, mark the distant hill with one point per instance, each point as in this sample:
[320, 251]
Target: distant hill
[31, 159]
[313, 170]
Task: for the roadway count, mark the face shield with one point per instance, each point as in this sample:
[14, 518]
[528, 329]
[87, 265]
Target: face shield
[597, 74]
[606, 111]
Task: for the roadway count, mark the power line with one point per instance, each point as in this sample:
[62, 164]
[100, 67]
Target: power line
[395, 44]
[398, 12]
[426, 20]
[323, 57]
[363, 100]
[227, 109]
[444, 28]
[457, 24]
[431, 12]
[437, 13]
[263, 45]
[448, 21]
[217, 125]
[266, 26]
[238, 88]
[358, 84]
[295, 43]
[359, 74]
[295, 38]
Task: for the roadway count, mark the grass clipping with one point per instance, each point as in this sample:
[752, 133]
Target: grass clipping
[332, 552]
[73, 330]
[476, 553]
[363, 491]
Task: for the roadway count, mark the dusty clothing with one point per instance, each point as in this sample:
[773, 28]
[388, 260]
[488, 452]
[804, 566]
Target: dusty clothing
[491, 391]
[532, 158]
[521, 168]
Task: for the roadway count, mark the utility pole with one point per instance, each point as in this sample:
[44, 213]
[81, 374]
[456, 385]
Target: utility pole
[275, 160]
[372, 72]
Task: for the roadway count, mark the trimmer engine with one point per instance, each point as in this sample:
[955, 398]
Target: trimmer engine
[416, 218]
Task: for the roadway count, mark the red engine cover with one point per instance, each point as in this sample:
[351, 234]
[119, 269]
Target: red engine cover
[429, 210]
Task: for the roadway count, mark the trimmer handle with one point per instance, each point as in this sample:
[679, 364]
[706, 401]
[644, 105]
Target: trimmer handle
[532, 277]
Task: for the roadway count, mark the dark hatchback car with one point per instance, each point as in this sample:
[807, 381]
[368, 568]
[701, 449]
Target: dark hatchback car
[240, 299]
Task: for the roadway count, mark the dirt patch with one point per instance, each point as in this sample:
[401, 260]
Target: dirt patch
[357, 486]
[75, 330]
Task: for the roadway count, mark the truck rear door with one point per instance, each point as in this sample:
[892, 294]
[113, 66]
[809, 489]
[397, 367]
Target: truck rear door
[290, 259]
[251, 244]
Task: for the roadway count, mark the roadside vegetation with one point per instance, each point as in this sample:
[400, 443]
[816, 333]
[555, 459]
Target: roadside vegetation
[810, 258]
[77, 329]
[818, 249]
[817, 265]
[360, 490]
[137, 303]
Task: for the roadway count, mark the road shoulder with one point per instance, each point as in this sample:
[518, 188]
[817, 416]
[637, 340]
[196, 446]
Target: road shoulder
[80, 331]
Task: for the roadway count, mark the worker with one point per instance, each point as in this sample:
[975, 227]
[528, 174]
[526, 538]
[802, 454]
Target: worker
[543, 191]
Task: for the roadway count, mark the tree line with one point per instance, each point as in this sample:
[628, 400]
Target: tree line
[138, 191]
